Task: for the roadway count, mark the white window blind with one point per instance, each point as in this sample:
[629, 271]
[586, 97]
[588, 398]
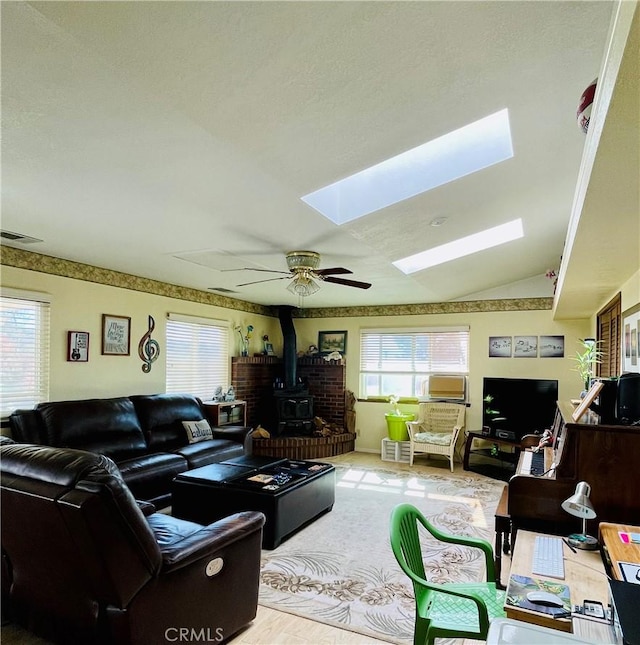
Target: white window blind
[397, 361]
[197, 355]
[24, 349]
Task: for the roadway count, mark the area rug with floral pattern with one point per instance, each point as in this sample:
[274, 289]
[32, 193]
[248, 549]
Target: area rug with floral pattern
[340, 569]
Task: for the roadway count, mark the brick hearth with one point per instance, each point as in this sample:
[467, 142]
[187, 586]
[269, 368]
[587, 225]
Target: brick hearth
[253, 378]
[305, 447]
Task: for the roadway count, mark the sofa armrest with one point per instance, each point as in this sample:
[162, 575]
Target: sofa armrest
[241, 434]
[27, 427]
[147, 508]
[210, 539]
[234, 433]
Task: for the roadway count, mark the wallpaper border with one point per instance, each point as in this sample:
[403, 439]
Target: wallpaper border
[32, 261]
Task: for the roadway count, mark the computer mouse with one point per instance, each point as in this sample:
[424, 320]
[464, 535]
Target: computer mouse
[544, 598]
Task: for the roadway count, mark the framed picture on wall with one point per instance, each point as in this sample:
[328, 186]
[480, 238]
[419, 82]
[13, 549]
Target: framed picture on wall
[630, 360]
[332, 341]
[78, 346]
[499, 346]
[525, 346]
[116, 335]
[551, 346]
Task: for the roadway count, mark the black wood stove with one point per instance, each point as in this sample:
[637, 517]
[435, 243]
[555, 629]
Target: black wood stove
[294, 404]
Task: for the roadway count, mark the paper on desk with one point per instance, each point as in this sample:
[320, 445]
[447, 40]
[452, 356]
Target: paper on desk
[630, 572]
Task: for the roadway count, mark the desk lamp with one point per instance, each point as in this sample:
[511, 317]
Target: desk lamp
[580, 505]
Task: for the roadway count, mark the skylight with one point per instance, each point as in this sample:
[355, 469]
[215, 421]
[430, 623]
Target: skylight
[464, 151]
[464, 246]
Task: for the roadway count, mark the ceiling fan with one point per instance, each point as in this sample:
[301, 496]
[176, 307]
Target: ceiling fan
[303, 272]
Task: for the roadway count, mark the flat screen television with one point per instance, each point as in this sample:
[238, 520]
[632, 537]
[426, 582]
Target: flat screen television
[523, 405]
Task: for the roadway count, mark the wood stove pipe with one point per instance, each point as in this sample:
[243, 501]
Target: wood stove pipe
[289, 354]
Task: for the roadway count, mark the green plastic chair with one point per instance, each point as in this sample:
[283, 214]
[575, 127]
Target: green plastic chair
[451, 610]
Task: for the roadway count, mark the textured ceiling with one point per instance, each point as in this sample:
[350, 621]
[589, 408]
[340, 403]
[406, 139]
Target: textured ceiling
[172, 140]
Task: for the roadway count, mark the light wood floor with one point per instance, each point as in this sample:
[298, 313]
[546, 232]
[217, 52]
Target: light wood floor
[272, 627]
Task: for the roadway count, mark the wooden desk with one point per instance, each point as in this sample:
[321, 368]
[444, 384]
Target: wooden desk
[584, 573]
[614, 550]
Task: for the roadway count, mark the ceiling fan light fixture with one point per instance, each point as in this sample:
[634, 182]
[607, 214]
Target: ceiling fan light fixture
[303, 286]
[303, 260]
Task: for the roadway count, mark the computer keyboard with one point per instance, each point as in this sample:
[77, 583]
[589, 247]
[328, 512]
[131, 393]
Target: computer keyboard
[548, 559]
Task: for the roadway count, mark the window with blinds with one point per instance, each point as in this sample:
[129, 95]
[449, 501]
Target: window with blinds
[399, 361]
[197, 355]
[24, 347]
[608, 321]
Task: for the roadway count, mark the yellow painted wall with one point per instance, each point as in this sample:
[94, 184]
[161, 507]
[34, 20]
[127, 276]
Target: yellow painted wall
[78, 306]
[370, 421]
[630, 291]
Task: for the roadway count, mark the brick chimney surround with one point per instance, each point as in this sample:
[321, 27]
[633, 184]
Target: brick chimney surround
[253, 378]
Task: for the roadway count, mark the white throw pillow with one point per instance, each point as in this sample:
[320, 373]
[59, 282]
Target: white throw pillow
[198, 430]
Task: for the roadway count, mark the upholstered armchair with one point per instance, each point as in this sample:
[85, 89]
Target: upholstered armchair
[82, 562]
[436, 430]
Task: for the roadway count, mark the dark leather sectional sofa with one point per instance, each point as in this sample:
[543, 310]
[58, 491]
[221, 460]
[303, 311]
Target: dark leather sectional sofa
[142, 434]
[83, 563]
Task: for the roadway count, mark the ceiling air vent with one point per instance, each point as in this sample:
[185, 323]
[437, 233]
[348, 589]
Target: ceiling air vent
[17, 237]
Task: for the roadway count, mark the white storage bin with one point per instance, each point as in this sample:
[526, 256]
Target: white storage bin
[395, 451]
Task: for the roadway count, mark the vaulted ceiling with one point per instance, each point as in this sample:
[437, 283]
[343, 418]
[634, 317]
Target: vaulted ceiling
[174, 140]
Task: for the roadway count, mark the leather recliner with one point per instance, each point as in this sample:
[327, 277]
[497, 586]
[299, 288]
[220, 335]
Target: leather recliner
[81, 563]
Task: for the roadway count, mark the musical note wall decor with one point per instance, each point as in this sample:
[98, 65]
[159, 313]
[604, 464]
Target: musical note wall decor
[148, 349]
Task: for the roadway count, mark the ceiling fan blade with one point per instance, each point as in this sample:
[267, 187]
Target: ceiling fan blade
[335, 271]
[253, 269]
[347, 283]
[244, 284]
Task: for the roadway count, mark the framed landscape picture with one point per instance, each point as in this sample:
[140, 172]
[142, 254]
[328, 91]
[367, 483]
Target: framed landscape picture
[332, 341]
[116, 335]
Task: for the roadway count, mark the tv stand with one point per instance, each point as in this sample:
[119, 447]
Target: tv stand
[508, 458]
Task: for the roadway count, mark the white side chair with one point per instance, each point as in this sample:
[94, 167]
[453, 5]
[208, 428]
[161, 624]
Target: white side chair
[436, 430]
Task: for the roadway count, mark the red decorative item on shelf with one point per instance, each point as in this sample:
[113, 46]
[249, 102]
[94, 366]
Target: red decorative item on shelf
[584, 107]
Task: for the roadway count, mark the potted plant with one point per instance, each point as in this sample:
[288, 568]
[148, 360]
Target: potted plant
[587, 358]
[490, 414]
[396, 421]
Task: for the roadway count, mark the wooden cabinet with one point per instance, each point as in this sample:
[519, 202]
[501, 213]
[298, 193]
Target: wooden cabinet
[226, 413]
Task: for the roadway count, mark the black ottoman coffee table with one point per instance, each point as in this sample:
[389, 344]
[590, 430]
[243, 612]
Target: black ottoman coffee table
[290, 493]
